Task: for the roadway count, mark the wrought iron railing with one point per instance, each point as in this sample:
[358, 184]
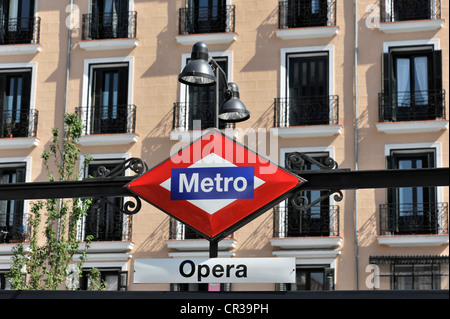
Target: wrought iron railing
[209, 19]
[410, 219]
[309, 110]
[12, 229]
[108, 119]
[106, 224]
[411, 105]
[320, 220]
[114, 25]
[184, 114]
[302, 14]
[404, 10]
[18, 123]
[20, 30]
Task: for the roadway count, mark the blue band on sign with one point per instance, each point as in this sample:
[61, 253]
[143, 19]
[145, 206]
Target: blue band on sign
[212, 183]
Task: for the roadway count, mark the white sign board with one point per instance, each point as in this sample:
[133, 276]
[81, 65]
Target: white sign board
[215, 270]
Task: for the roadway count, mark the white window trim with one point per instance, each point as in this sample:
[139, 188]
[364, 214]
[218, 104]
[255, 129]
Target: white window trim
[306, 150]
[387, 45]
[115, 247]
[184, 87]
[27, 162]
[319, 131]
[118, 139]
[22, 143]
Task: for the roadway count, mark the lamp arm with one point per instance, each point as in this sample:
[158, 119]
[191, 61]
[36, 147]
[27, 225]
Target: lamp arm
[221, 71]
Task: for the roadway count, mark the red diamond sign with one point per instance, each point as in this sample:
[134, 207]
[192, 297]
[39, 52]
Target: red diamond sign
[215, 185]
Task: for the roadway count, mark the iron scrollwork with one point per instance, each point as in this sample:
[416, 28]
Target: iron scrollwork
[136, 165]
[295, 162]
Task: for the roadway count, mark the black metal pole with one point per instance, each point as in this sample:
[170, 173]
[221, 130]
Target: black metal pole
[213, 248]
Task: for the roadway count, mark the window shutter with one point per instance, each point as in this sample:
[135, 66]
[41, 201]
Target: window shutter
[387, 108]
[437, 82]
[123, 280]
[329, 279]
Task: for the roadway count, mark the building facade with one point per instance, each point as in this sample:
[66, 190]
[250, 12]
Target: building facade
[361, 82]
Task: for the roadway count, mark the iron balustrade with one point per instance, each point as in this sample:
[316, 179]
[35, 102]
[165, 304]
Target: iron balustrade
[110, 119]
[105, 224]
[414, 218]
[207, 19]
[12, 229]
[320, 220]
[302, 13]
[20, 30]
[185, 113]
[18, 123]
[309, 110]
[114, 25]
[404, 10]
[411, 105]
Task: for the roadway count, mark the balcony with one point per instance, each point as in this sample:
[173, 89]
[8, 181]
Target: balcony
[24, 31]
[410, 15]
[20, 30]
[209, 24]
[115, 30]
[425, 108]
[311, 116]
[12, 231]
[18, 129]
[185, 113]
[413, 225]
[108, 125]
[306, 234]
[186, 242]
[306, 19]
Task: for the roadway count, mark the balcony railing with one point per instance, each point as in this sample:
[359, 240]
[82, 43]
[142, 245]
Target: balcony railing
[404, 10]
[111, 119]
[21, 123]
[321, 220]
[11, 230]
[105, 224]
[303, 14]
[310, 110]
[184, 114]
[411, 106]
[117, 25]
[20, 30]
[411, 219]
[209, 19]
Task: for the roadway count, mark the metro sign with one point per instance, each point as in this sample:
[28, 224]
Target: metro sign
[215, 185]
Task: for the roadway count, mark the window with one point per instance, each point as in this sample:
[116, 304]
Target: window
[412, 84]
[311, 278]
[16, 118]
[17, 22]
[316, 220]
[199, 287]
[404, 10]
[206, 16]
[115, 279]
[12, 227]
[307, 99]
[305, 13]
[200, 103]
[106, 222]
[109, 19]
[412, 272]
[412, 210]
[109, 111]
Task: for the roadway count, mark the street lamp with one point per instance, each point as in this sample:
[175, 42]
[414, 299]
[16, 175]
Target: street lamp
[198, 72]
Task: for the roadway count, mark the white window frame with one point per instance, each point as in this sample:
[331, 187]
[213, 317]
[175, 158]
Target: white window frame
[90, 64]
[286, 52]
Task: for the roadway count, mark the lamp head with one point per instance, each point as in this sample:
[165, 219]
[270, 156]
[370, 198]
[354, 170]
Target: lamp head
[198, 72]
[232, 109]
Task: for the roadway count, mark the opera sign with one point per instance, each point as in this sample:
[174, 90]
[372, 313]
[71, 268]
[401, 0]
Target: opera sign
[215, 185]
[217, 270]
